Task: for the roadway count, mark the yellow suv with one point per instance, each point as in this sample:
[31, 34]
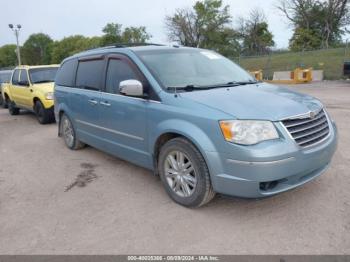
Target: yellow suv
[31, 88]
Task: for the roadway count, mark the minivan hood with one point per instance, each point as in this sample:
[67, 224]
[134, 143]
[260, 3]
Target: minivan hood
[257, 101]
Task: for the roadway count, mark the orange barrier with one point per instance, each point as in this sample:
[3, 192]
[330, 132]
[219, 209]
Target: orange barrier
[298, 76]
[257, 74]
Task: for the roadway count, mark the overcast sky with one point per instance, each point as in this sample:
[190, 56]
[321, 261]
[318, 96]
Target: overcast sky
[60, 18]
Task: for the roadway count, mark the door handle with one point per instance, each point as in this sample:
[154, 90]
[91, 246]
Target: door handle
[31, 90]
[105, 103]
[93, 102]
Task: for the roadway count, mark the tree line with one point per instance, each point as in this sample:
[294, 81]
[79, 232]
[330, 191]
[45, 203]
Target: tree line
[41, 49]
[207, 24]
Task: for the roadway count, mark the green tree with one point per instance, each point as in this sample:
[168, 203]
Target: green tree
[254, 31]
[135, 35]
[323, 19]
[206, 25]
[36, 50]
[304, 39]
[113, 33]
[71, 45]
[8, 56]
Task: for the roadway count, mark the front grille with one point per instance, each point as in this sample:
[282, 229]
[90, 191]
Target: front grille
[308, 131]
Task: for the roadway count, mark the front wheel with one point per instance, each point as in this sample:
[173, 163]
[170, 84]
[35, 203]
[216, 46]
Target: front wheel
[68, 133]
[184, 173]
[43, 115]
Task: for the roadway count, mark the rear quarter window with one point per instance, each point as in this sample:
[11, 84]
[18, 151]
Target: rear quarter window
[66, 74]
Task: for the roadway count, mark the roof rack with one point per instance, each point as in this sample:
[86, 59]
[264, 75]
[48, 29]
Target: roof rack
[121, 45]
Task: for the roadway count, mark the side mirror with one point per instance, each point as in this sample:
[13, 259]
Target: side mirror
[131, 88]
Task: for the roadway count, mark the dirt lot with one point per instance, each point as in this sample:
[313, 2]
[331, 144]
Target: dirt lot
[123, 209]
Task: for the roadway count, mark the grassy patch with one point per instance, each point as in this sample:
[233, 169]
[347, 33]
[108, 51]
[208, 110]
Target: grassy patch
[331, 61]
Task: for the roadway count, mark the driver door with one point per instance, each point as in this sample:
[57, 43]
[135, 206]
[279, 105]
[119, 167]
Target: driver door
[124, 118]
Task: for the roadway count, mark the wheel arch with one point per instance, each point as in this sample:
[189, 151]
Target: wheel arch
[189, 131]
[35, 99]
[6, 95]
[60, 113]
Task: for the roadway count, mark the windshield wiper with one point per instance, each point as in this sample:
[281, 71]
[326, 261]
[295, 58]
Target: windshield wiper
[242, 83]
[42, 81]
[187, 88]
[191, 87]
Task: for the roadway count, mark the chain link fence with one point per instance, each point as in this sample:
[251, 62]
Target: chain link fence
[329, 60]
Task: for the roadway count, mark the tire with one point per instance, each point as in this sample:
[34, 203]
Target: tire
[5, 102]
[187, 180]
[1, 100]
[13, 110]
[44, 116]
[68, 133]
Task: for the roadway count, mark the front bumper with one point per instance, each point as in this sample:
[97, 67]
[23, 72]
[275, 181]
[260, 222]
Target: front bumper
[262, 176]
[48, 104]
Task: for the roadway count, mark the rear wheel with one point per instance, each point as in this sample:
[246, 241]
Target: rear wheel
[13, 110]
[43, 115]
[68, 133]
[1, 100]
[184, 173]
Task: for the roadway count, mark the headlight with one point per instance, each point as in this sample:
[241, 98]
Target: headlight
[248, 132]
[49, 96]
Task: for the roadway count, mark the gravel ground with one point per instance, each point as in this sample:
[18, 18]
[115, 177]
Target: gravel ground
[57, 201]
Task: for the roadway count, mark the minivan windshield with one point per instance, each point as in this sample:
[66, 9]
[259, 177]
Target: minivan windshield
[193, 68]
[42, 74]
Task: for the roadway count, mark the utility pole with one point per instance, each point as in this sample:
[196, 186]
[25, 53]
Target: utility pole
[16, 31]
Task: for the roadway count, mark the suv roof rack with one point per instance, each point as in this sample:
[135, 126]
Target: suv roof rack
[136, 44]
[122, 45]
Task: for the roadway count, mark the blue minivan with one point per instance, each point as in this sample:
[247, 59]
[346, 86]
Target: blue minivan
[195, 118]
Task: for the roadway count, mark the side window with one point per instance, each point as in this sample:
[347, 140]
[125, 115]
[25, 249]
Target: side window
[89, 74]
[15, 77]
[24, 76]
[118, 70]
[66, 74]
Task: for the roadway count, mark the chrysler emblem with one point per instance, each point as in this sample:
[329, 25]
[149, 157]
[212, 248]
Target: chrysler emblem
[312, 115]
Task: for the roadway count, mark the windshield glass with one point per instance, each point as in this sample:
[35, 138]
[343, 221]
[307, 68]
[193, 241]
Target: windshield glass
[192, 67]
[42, 75]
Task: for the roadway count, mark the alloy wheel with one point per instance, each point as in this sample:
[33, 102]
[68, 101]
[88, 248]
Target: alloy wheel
[68, 132]
[180, 173]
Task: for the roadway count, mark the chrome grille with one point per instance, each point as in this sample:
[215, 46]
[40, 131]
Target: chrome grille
[308, 131]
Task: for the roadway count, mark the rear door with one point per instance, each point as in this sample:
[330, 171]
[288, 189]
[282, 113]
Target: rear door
[20, 90]
[15, 87]
[124, 118]
[85, 98]
[25, 92]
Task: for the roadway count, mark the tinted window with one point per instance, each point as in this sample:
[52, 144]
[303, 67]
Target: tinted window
[66, 74]
[24, 76]
[43, 75]
[118, 70]
[89, 74]
[15, 77]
